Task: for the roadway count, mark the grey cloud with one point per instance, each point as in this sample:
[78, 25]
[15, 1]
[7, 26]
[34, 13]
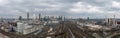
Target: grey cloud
[24, 6]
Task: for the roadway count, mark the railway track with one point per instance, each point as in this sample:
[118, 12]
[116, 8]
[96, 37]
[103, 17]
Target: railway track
[62, 30]
[70, 30]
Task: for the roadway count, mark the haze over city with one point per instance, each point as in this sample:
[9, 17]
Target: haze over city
[73, 8]
[59, 18]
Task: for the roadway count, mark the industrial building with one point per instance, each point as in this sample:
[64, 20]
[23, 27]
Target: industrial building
[26, 28]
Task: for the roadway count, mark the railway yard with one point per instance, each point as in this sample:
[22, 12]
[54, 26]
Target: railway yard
[65, 30]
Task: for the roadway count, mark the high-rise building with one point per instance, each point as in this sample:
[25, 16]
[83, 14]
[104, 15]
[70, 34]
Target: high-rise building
[60, 18]
[34, 17]
[46, 18]
[39, 16]
[111, 21]
[20, 17]
[114, 21]
[1, 19]
[63, 18]
[27, 16]
[88, 18]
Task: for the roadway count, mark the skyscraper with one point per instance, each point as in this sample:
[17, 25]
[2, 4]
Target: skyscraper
[39, 16]
[60, 18]
[88, 18]
[20, 17]
[1, 19]
[27, 16]
[114, 21]
[34, 17]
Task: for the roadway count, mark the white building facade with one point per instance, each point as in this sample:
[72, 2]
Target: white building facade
[26, 28]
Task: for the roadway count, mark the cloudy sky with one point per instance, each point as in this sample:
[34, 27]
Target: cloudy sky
[72, 8]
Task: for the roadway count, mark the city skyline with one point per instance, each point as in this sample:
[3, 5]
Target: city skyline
[59, 18]
[72, 8]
